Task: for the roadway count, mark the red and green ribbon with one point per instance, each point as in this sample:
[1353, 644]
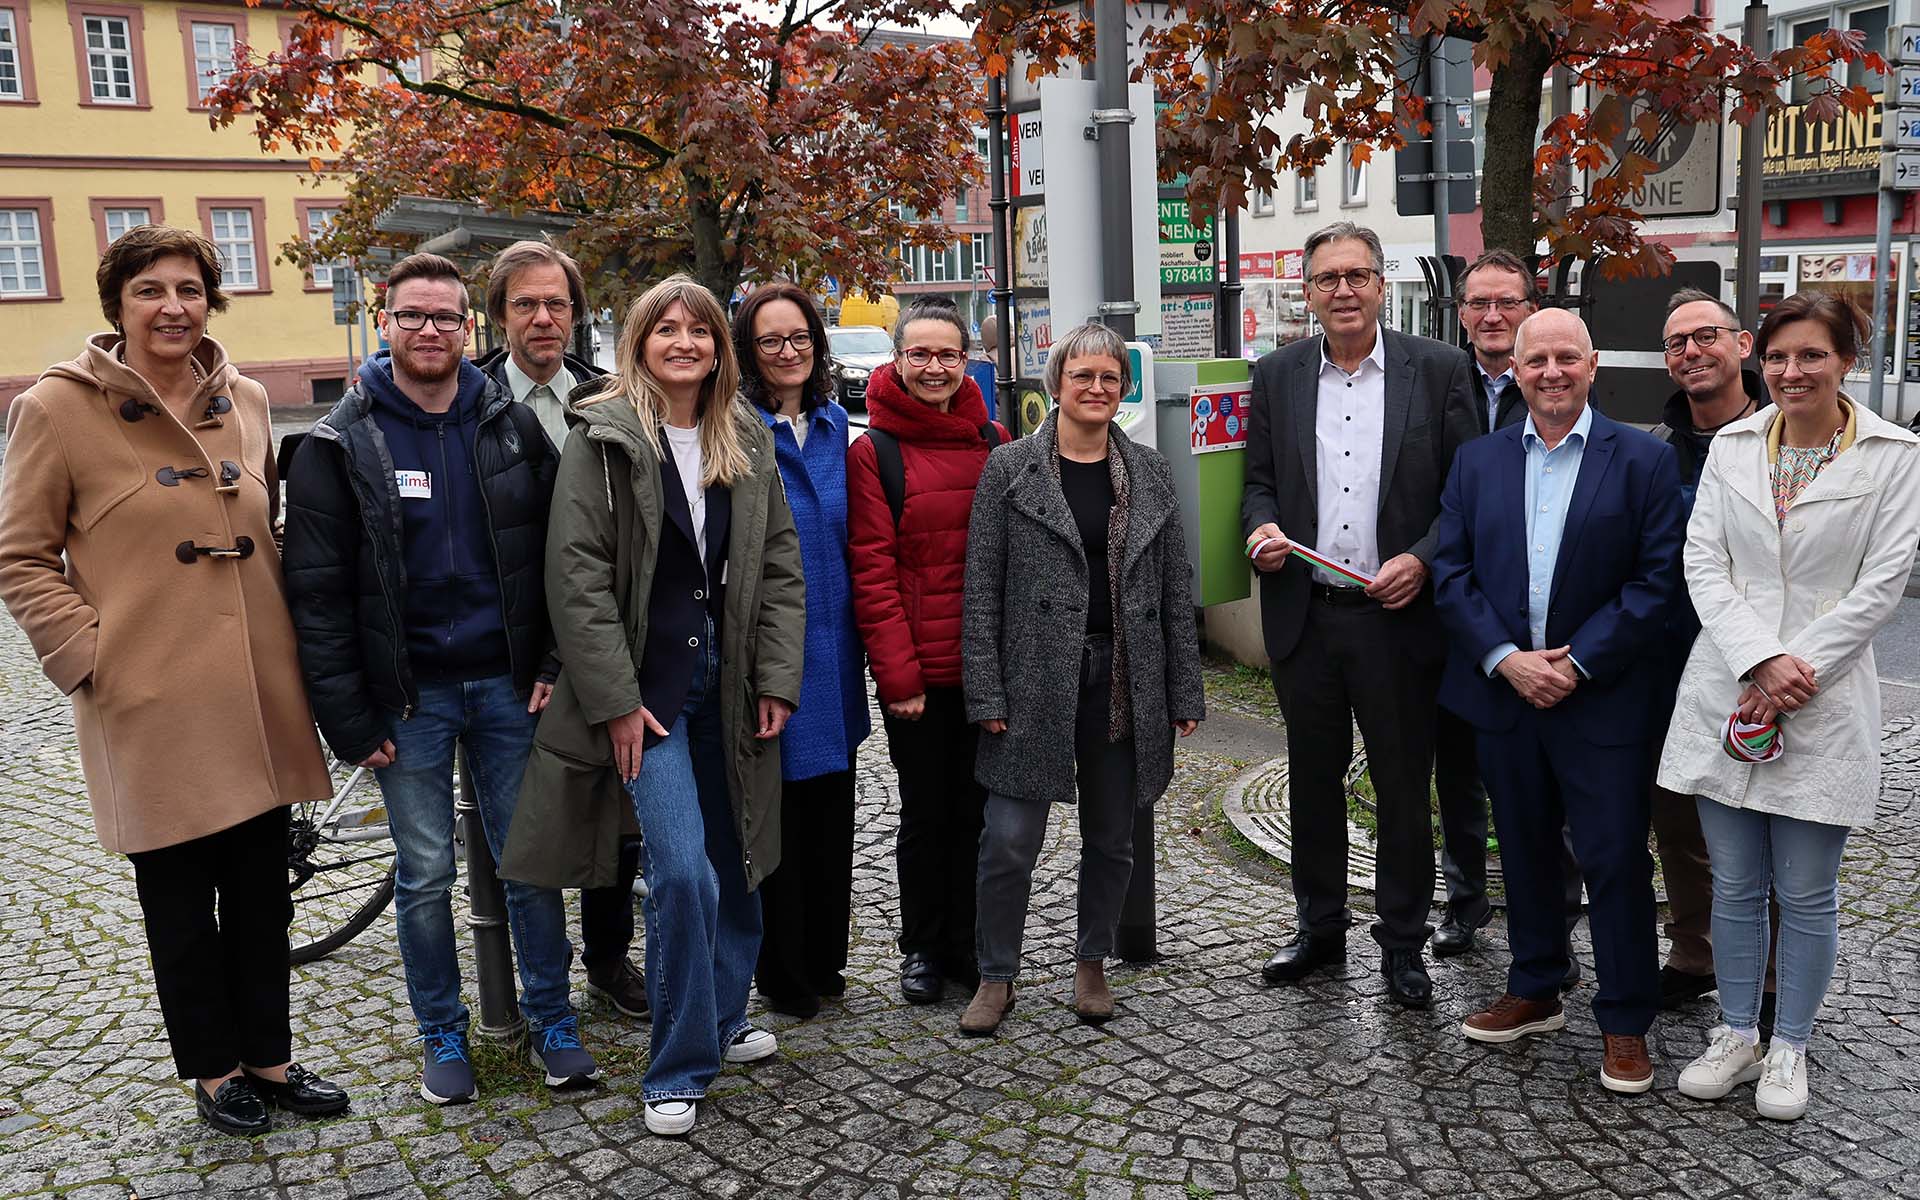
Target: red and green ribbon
[1749, 743]
[1315, 558]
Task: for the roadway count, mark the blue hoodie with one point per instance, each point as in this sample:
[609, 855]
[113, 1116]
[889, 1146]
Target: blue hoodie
[455, 621]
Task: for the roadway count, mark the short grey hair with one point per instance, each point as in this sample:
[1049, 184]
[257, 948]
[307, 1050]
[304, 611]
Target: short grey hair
[1086, 341]
[1343, 231]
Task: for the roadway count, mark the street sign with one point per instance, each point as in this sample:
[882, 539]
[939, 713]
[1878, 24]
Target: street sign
[1906, 128]
[1907, 87]
[1906, 172]
[346, 293]
[1906, 48]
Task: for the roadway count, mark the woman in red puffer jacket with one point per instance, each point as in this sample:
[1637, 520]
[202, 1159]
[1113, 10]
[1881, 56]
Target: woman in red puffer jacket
[908, 582]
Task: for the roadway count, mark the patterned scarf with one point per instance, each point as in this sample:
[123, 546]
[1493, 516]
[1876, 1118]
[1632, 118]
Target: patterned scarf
[1120, 702]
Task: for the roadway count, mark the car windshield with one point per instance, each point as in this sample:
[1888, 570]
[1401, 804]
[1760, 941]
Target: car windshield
[860, 341]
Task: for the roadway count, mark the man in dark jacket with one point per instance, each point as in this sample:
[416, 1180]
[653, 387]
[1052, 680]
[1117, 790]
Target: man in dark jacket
[1705, 347]
[416, 534]
[535, 294]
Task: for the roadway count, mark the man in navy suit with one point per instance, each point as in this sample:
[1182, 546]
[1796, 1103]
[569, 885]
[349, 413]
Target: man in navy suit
[1558, 550]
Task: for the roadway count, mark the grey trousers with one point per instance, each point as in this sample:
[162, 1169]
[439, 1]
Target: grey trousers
[1015, 828]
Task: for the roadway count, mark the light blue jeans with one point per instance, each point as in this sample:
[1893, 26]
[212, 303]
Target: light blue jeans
[1799, 861]
[703, 925]
[491, 721]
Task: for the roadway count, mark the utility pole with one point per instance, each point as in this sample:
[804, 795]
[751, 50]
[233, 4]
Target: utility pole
[1111, 117]
[1746, 278]
[1439, 113]
[1002, 243]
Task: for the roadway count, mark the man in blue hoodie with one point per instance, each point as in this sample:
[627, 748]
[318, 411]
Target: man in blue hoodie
[416, 538]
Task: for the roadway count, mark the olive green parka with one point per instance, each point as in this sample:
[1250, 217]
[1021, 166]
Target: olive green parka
[602, 541]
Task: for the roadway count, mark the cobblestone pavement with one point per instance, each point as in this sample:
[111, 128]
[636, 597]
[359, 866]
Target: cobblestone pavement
[1207, 1084]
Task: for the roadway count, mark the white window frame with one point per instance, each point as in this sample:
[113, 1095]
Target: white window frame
[118, 214]
[233, 242]
[11, 60]
[102, 58]
[1353, 180]
[321, 271]
[981, 250]
[23, 255]
[209, 70]
[1305, 182]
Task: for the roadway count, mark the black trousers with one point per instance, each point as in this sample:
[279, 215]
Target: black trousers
[942, 810]
[217, 910]
[1356, 663]
[1463, 828]
[606, 914]
[806, 905]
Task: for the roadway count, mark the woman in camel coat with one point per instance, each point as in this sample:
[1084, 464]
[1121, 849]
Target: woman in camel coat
[136, 552]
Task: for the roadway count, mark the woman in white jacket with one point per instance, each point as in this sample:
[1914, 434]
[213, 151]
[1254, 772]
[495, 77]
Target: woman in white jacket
[1801, 541]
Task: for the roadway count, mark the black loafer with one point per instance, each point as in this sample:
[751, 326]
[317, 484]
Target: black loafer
[920, 980]
[304, 1093]
[1452, 938]
[1407, 980]
[798, 1005]
[1682, 987]
[1302, 956]
[233, 1108]
[1571, 979]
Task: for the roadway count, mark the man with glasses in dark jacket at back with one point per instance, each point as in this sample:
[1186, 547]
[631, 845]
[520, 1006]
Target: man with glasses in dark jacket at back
[535, 296]
[415, 559]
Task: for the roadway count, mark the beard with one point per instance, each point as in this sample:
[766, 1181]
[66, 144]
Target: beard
[429, 370]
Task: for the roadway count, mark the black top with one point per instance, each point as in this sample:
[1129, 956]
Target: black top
[1089, 489]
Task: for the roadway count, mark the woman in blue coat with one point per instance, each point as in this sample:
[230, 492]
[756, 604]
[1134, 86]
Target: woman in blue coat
[782, 344]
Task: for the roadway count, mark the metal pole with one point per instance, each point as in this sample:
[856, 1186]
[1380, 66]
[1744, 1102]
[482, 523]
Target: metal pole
[1746, 276]
[1111, 117]
[1002, 247]
[360, 297]
[1229, 326]
[1883, 283]
[1440, 112]
[500, 1017]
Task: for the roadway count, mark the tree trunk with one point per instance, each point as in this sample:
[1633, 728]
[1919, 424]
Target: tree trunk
[712, 264]
[1507, 219]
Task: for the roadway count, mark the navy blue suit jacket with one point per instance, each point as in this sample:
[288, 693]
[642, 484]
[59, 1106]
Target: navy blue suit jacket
[1617, 572]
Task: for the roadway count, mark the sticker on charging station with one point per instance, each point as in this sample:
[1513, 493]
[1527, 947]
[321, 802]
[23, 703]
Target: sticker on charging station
[1219, 416]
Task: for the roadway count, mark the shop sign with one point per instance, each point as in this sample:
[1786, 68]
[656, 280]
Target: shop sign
[1257, 264]
[1186, 250]
[1821, 158]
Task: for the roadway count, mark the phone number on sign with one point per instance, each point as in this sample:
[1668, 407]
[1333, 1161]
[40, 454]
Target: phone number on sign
[1196, 274]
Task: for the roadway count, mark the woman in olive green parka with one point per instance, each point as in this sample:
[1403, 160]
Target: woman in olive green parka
[675, 591]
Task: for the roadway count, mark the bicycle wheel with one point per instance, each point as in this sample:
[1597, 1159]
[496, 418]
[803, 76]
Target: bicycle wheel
[339, 864]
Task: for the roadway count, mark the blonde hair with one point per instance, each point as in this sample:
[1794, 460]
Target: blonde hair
[723, 453]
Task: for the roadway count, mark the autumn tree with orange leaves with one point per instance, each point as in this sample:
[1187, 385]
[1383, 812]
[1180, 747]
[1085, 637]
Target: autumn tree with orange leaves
[1226, 65]
[732, 140]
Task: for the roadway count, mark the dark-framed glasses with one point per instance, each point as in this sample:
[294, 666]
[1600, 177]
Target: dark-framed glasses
[411, 319]
[770, 343]
[920, 356]
[558, 307]
[1357, 279]
[1702, 337]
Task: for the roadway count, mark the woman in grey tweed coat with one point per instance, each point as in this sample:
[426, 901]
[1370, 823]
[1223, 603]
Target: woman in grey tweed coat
[1081, 660]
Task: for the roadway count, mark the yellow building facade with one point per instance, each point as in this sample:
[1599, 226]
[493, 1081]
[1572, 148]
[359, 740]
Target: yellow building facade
[102, 127]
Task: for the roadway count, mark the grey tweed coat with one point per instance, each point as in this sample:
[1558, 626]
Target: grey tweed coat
[1026, 612]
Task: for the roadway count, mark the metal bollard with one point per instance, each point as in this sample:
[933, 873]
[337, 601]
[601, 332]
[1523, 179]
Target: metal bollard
[500, 1017]
[1136, 939]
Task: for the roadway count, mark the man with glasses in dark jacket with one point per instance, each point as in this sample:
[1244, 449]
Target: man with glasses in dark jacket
[416, 539]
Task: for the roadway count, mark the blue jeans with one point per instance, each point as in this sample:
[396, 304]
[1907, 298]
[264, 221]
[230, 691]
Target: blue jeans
[1800, 861]
[703, 925]
[491, 722]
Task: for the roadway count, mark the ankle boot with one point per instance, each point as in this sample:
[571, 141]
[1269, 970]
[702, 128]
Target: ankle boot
[990, 1005]
[1092, 999]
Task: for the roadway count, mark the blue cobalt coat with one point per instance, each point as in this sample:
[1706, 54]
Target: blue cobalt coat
[832, 718]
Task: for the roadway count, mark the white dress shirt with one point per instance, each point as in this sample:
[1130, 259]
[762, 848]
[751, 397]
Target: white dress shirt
[1347, 430]
[547, 400]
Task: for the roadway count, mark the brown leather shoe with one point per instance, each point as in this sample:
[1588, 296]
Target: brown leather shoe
[1510, 1018]
[990, 1005]
[1626, 1067]
[1092, 999]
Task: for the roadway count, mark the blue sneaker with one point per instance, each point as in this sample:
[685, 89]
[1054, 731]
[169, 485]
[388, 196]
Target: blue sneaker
[448, 1076]
[557, 1050]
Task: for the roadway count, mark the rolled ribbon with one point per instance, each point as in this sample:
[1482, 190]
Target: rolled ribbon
[1750, 743]
[1315, 558]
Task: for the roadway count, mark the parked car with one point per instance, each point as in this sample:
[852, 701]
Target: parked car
[857, 351]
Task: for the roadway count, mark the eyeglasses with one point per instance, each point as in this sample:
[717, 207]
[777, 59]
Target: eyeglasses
[1807, 360]
[445, 322]
[1357, 279]
[1702, 337]
[558, 307]
[1506, 304]
[1087, 379]
[771, 343]
[920, 356]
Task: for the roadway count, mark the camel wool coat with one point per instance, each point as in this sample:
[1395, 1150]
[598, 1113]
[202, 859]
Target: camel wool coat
[186, 690]
[1820, 587]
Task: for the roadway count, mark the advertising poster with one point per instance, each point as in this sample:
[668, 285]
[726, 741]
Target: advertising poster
[1030, 247]
[1033, 337]
[1186, 328]
[1219, 416]
[1186, 252]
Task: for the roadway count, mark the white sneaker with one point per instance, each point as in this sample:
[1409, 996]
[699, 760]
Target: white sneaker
[1782, 1094]
[751, 1045]
[670, 1118]
[1730, 1061]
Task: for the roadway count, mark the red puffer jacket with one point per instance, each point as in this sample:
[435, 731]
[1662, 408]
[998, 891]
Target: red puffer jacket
[908, 584]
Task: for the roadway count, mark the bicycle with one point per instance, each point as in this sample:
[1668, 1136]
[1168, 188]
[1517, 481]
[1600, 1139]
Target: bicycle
[340, 863]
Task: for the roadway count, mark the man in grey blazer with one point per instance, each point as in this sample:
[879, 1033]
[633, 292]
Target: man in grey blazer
[1350, 437]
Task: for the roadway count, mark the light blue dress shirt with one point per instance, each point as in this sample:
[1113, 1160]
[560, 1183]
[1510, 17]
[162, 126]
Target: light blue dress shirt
[1551, 475]
[1497, 386]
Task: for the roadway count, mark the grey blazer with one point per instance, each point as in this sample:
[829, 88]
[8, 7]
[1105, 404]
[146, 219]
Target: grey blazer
[1430, 413]
[1026, 613]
